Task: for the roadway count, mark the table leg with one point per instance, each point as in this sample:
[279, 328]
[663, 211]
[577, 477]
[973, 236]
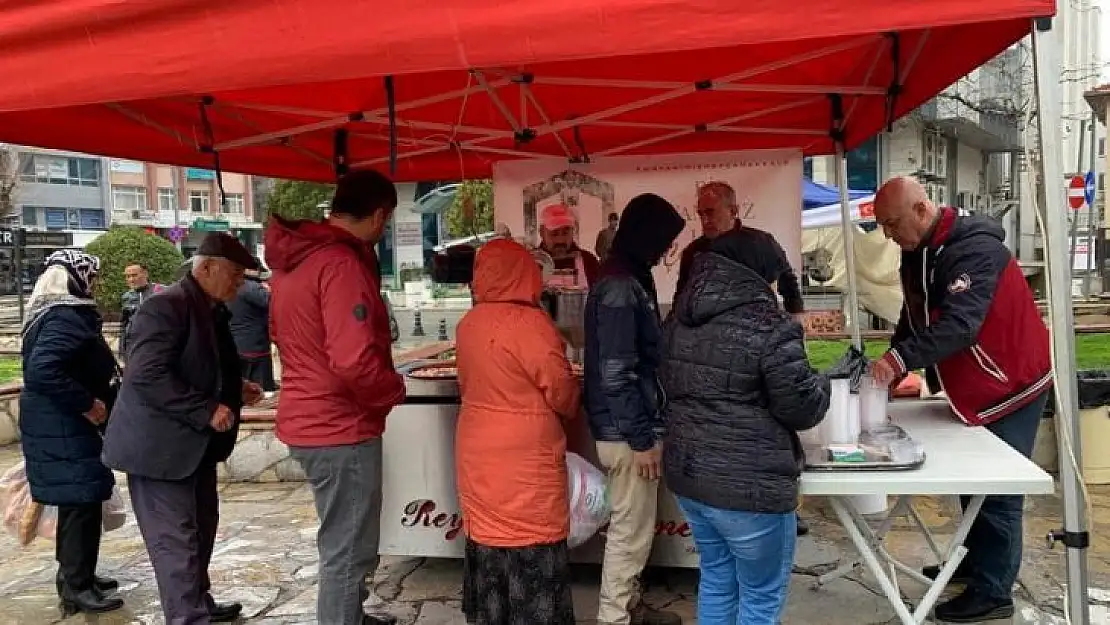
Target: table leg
[842, 508]
[900, 505]
[956, 553]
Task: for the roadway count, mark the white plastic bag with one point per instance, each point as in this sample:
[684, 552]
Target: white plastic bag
[23, 518]
[589, 499]
[115, 511]
[27, 520]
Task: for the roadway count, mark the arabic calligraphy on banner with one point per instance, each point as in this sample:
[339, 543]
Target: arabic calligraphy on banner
[767, 184]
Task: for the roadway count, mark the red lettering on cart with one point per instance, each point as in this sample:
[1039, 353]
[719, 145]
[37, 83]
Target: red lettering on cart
[422, 513]
[673, 528]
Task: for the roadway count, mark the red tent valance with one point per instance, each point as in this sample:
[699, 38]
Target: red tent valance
[475, 81]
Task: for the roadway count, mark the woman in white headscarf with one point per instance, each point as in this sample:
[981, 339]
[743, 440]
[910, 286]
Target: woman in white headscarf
[68, 373]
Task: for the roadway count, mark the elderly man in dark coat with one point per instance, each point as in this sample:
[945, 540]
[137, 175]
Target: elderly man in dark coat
[176, 417]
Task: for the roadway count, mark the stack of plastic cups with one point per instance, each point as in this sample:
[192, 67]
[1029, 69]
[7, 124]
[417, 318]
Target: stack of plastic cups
[872, 413]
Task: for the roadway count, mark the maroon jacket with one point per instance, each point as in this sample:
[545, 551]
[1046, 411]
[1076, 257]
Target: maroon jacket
[330, 325]
[970, 319]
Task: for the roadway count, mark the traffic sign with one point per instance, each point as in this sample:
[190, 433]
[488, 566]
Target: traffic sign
[1076, 192]
[1089, 188]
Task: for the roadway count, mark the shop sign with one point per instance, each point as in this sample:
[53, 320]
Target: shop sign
[192, 173]
[426, 513]
[408, 234]
[210, 225]
[36, 239]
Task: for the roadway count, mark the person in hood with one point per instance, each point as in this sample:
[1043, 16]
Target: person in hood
[739, 389]
[250, 325]
[517, 393]
[67, 394]
[330, 324]
[623, 401]
[969, 319]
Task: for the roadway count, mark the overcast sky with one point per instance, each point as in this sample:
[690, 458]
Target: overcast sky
[1104, 39]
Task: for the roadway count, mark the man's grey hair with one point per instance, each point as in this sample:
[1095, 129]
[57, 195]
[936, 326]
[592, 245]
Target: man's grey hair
[722, 190]
[199, 260]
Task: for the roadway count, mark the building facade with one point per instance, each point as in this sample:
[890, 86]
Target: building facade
[182, 203]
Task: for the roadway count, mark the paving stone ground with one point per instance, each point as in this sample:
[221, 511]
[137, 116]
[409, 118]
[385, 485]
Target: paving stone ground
[265, 557]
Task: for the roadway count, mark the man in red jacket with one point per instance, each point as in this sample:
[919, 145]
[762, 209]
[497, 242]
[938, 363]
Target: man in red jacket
[329, 321]
[970, 321]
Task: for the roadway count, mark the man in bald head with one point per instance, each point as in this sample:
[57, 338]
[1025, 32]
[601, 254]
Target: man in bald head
[969, 320]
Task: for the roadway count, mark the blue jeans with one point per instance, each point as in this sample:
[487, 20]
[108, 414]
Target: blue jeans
[994, 542]
[746, 558]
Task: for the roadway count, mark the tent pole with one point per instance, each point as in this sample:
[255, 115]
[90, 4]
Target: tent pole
[849, 246]
[1050, 198]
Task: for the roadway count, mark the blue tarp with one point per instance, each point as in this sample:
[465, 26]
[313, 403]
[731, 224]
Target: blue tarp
[814, 194]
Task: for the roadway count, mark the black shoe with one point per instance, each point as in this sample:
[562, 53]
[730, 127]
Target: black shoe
[225, 612]
[88, 601]
[102, 585]
[803, 527]
[105, 585]
[973, 607]
[961, 576]
[379, 619]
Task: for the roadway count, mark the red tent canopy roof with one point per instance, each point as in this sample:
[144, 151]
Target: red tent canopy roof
[475, 80]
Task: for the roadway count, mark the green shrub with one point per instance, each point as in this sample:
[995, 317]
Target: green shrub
[122, 246]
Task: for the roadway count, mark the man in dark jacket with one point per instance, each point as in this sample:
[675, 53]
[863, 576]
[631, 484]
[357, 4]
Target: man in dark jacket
[719, 213]
[139, 289]
[623, 400]
[970, 321]
[176, 417]
[332, 329]
[250, 325]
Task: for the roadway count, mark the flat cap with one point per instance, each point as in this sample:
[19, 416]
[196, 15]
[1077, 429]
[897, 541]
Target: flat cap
[223, 245]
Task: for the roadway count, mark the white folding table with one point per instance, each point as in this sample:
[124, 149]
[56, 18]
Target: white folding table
[959, 460]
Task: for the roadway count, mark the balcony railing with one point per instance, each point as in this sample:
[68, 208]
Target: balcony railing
[982, 129]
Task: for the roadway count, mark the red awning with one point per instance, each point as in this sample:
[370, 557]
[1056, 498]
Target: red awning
[475, 81]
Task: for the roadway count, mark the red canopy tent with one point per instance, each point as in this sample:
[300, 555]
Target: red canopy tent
[441, 89]
[268, 84]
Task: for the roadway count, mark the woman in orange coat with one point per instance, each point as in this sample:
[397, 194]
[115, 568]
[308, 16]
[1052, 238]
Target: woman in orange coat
[510, 452]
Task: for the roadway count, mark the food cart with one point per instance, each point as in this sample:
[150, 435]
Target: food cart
[308, 93]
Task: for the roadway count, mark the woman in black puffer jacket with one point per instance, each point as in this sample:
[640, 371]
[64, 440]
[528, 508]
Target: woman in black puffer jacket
[67, 395]
[739, 388]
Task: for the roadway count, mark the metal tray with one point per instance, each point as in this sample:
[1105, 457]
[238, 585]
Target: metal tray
[863, 467]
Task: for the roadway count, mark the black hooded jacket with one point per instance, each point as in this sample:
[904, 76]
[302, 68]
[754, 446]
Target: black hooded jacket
[739, 388]
[623, 327]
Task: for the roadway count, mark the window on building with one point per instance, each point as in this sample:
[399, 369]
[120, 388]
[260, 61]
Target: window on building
[1102, 182]
[60, 170]
[429, 234]
[49, 169]
[1102, 146]
[863, 166]
[129, 198]
[85, 171]
[233, 204]
[167, 199]
[91, 219]
[807, 167]
[936, 154]
[199, 201]
[30, 215]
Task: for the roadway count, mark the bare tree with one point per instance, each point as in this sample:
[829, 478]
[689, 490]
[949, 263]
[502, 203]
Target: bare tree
[9, 176]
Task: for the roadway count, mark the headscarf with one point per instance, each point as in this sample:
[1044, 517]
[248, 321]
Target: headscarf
[82, 268]
[66, 281]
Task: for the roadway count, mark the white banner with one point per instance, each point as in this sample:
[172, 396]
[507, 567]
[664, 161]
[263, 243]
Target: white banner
[766, 183]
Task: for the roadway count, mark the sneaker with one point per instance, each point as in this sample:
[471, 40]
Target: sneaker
[973, 607]
[379, 619]
[803, 527]
[961, 577]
